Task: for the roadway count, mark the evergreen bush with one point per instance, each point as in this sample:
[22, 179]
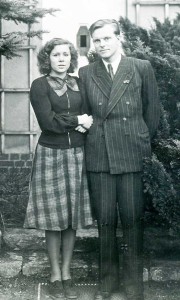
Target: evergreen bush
[20, 11]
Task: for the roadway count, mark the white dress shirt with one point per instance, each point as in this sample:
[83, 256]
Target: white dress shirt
[114, 64]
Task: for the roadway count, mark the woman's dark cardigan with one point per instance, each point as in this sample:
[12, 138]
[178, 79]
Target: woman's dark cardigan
[56, 115]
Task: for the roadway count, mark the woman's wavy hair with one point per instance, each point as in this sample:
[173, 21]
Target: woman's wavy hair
[44, 54]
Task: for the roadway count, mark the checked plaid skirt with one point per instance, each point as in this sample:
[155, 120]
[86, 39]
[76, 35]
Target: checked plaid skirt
[58, 196]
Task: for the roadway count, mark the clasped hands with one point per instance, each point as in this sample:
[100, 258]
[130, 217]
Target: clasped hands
[84, 123]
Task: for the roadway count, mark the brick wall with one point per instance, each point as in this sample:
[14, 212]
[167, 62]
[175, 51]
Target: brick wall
[15, 160]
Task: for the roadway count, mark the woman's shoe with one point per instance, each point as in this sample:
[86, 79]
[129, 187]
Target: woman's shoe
[102, 295]
[55, 290]
[69, 289]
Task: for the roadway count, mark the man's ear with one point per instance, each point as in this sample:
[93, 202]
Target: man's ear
[121, 38]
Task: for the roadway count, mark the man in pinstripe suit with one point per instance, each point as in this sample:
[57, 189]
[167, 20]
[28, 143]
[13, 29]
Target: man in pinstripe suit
[121, 94]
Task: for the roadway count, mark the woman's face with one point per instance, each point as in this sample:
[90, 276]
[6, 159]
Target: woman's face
[60, 59]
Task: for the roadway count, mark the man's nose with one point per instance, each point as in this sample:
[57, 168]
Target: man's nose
[102, 43]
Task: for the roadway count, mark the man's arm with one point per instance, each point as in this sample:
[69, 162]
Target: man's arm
[150, 98]
[82, 86]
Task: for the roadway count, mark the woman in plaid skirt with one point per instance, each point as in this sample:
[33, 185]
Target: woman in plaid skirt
[59, 199]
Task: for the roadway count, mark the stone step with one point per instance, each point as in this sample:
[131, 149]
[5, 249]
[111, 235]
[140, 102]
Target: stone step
[24, 252]
[31, 239]
[84, 267]
[158, 243]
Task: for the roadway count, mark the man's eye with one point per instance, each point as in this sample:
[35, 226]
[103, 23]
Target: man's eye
[107, 39]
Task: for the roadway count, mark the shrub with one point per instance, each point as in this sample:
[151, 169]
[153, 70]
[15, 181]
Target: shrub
[161, 173]
[14, 183]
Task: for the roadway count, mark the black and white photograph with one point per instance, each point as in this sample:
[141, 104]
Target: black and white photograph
[90, 150]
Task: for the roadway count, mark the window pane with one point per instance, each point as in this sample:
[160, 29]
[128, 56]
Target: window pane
[17, 111]
[173, 11]
[16, 144]
[11, 26]
[35, 123]
[83, 41]
[16, 71]
[150, 12]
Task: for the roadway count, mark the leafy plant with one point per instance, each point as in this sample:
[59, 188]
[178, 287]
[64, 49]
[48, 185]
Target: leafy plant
[19, 12]
[14, 183]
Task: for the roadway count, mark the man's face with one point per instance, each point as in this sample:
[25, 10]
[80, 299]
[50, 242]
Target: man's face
[106, 42]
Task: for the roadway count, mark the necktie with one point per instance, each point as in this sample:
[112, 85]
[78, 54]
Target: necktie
[110, 69]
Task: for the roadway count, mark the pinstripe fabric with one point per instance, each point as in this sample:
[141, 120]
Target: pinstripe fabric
[125, 192]
[131, 211]
[125, 118]
[125, 115]
[59, 194]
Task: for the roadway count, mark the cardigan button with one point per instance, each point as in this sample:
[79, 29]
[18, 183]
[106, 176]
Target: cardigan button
[124, 119]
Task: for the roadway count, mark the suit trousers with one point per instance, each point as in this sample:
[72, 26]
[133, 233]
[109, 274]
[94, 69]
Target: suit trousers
[122, 195]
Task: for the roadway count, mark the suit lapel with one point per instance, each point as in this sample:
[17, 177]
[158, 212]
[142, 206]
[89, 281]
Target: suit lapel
[121, 81]
[102, 78]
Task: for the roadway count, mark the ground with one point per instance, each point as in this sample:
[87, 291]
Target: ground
[28, 288]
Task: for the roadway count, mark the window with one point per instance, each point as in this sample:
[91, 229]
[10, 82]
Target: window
[83, 41]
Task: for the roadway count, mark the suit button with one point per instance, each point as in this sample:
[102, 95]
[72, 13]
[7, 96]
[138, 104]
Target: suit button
[127, 103]
[124, 119]
[100, 103]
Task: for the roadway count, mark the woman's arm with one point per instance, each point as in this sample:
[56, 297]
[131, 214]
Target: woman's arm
[47, 118]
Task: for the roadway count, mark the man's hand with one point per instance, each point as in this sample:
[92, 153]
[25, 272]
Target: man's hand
[85, 120]
[80, 129]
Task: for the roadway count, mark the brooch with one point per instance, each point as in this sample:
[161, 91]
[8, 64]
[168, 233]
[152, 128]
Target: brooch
[126, 81]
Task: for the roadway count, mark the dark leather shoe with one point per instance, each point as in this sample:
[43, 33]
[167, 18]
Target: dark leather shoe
[55, 290]
[102, 295]
[69, 289]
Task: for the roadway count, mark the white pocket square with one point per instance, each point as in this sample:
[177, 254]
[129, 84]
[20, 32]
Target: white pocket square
[126, 81]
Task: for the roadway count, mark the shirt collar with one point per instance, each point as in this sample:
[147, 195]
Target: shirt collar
[114, 64]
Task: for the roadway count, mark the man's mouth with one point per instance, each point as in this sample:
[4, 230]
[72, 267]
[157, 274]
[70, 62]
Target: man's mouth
[103, 50]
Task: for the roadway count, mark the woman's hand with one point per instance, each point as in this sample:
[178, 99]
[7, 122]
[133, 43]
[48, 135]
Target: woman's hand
[80, 129]
[85, 120]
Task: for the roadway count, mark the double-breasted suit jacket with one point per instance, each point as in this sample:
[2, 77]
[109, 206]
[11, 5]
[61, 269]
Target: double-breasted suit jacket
[125, 115]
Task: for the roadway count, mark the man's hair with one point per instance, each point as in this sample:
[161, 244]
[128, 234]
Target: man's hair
[101, 23]
[44, 54]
